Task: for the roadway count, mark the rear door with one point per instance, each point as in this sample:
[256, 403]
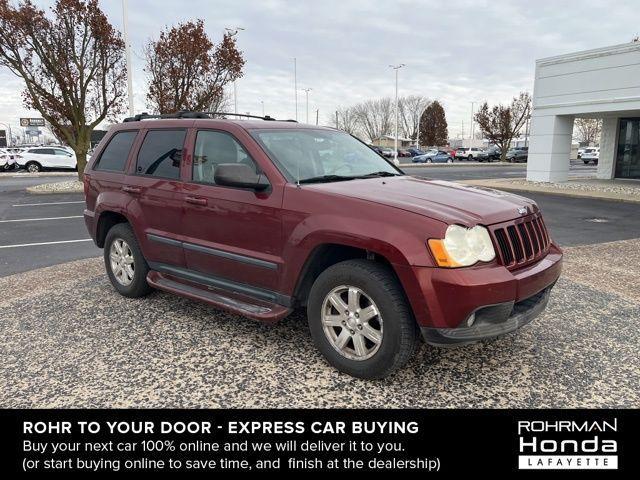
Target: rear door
[155, 196]
[232, 234]
[64, 158]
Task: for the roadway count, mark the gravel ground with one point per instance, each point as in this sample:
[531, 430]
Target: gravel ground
[632, 189]
[69, 186]
[71, 341]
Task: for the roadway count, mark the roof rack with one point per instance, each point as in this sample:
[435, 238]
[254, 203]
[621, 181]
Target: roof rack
[190, 114]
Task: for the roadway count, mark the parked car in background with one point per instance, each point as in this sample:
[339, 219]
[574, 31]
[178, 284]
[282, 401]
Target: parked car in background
[580, 152]
[8, 159]
[591, 154]
[404, 153]
[493, 152]
[387, 152]
[518, 154]
[42, 158]
[415, 151]
[434, 156]
[466, 153]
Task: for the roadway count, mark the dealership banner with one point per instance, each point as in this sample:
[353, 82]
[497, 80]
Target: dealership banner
[259, 441]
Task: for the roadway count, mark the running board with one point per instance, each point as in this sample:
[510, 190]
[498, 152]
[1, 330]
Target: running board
[267, 312]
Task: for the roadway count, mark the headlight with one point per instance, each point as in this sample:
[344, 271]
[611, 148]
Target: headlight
[462, 247]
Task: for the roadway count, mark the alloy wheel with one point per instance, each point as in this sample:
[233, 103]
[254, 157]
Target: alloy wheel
[352, 322]
[121, 261]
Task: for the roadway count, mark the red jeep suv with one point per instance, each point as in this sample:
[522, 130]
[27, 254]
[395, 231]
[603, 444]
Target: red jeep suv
[259, 217]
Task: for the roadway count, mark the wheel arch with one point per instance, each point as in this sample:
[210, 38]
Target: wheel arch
[106, 221]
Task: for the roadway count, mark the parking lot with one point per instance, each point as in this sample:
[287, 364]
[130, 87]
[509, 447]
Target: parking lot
[74, 342]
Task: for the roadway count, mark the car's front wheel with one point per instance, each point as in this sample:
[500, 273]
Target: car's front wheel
[125, 264]
[360, 320]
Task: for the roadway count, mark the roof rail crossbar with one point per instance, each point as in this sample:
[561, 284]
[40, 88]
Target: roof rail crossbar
[190, 114]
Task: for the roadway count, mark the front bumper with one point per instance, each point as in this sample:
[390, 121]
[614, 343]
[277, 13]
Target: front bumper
[444, 299]
[490, 321]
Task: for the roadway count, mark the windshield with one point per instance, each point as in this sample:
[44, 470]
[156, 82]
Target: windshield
[316, 154]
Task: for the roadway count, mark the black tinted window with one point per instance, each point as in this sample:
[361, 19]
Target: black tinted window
[214, 148]
[161, 153]
[116, 153]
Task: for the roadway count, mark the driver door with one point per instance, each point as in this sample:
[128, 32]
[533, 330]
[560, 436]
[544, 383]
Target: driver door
[232, 234]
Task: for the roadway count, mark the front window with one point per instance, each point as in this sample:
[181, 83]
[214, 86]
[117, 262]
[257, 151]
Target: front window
[322, 155]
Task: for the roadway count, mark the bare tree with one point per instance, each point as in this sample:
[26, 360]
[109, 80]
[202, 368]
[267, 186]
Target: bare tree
[187, 71]
[433, 125]
[346, 119]
[588, 130]
[72, 65]
[502, 123]
[375, 117]
[410, 111]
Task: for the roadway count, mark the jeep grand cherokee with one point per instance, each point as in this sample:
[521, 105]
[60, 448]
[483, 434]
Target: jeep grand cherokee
[262, 217]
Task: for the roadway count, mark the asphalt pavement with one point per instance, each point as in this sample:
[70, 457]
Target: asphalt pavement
[40, 230]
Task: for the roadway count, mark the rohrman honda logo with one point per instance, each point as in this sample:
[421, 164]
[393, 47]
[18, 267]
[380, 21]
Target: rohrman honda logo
[567, 445]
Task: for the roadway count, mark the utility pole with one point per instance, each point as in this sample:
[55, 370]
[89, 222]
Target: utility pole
[317, 115]
[233, 32]
[127, 52]
[262, 103]
[307, 90]
[472, 124]
[396, 68]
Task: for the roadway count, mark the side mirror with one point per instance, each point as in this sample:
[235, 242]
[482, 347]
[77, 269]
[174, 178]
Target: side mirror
[239, 175]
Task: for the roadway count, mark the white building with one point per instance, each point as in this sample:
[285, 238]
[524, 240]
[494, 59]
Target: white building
[602, 83]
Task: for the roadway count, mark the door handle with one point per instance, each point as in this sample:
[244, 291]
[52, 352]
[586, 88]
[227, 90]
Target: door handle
[197, 201]
[130, 189]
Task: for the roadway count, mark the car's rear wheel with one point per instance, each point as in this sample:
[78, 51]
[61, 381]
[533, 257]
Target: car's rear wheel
[429, 160]
[470, 157]
[125, 264]
[33, 167]
[360, 320]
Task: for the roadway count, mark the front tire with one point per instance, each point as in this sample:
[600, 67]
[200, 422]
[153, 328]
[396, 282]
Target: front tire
[126, 266]
[360, 319]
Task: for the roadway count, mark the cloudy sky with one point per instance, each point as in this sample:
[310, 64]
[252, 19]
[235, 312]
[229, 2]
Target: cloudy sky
[456, 51]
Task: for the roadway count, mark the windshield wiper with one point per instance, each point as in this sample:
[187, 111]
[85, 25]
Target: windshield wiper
[381, 173]
[326, 178]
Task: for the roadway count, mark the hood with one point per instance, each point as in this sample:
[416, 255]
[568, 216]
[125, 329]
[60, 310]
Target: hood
[446, 201]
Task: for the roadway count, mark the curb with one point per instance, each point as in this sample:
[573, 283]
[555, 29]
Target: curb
[461, 164]
[552, 191]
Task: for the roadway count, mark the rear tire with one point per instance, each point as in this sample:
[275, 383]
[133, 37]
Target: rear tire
[33, 167]
[397, 330]
[127, 271]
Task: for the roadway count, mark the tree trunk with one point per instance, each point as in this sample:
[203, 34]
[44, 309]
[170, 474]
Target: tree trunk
[81, 158]
[503, 154]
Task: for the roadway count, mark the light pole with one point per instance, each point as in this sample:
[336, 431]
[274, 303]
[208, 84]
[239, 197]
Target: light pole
[233, 32]
[306, 91]
[127, 51]
[396, 68]
[295, 84]
[262, 103]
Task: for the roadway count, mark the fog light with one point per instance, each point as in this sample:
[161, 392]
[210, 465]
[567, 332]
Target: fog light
[471, 320]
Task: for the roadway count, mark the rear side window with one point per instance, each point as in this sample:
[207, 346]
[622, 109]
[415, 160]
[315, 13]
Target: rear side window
[161, 154]
[114, 156]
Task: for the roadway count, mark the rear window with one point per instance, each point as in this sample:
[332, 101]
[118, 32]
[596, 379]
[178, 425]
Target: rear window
[161, 154]
[114, 156]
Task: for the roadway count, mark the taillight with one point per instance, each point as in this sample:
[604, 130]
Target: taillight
[86, 178]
